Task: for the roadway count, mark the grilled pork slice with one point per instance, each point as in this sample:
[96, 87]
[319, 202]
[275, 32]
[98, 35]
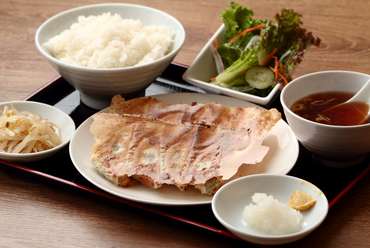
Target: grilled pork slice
[158, 152]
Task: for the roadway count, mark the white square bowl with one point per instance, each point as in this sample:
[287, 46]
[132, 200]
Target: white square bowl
[203, 69]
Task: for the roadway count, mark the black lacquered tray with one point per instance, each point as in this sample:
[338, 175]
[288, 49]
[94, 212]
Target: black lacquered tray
[334, 182]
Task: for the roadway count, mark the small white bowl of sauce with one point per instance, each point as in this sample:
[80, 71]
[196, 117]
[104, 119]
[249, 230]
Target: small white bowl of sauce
[337, 141]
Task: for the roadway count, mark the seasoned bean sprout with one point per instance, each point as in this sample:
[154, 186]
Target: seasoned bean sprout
[24, 132]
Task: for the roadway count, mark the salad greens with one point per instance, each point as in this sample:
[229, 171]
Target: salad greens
[278, 45]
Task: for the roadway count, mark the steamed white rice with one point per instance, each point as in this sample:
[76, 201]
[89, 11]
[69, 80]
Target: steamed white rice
[270, 216]
[108, 41]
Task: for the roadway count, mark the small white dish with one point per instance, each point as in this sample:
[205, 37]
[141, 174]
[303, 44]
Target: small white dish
[280, 159]
[229, 202]
[50, 113]
[203, 69]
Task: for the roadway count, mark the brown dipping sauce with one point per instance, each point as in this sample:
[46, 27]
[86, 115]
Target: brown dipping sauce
[317, 108]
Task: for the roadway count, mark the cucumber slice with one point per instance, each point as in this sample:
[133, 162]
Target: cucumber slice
[260, 77]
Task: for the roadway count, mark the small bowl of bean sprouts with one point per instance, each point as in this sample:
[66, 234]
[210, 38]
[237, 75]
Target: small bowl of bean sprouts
[32, 131]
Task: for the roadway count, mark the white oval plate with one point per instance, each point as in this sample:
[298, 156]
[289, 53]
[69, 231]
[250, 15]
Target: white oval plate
[280, 159]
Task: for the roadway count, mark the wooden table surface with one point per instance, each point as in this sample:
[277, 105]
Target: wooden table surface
[39, 214]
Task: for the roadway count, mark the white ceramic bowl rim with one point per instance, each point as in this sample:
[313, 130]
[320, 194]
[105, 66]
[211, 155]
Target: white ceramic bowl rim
[268, 237]
[174, 50]
[312, 122]
[60, 112]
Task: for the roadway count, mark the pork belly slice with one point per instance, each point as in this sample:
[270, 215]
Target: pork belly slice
[157, 152]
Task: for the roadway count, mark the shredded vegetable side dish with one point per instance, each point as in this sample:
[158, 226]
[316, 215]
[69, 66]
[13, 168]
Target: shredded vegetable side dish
[24, 132]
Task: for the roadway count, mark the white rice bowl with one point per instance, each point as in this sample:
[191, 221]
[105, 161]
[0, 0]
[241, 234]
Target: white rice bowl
[109, 41]
[108, 68]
